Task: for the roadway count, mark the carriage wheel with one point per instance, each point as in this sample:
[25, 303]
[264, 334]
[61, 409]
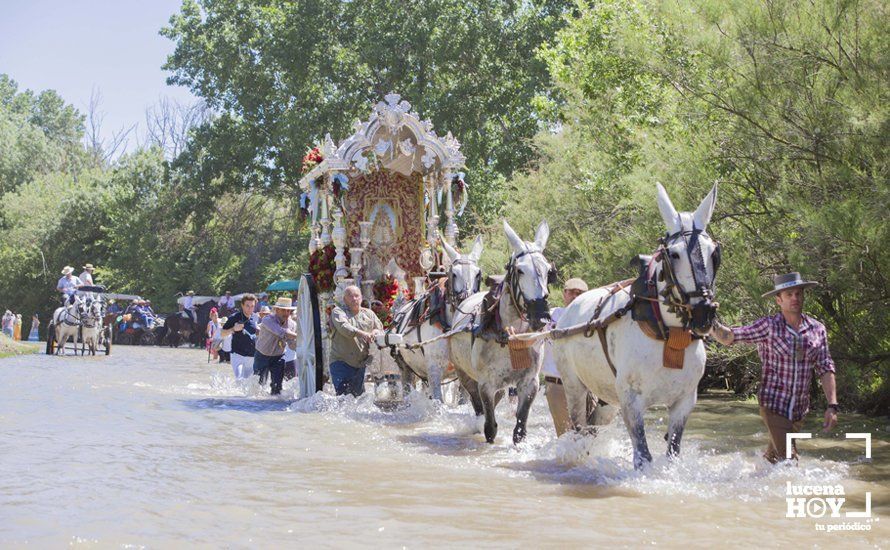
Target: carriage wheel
[50, 338]
[147, 338]
[310, 357]
[107, 340]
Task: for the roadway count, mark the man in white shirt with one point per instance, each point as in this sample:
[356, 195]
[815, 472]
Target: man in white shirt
[188, 305]
[87, 275]
[68, 284]
[226, 304]
[556, 395]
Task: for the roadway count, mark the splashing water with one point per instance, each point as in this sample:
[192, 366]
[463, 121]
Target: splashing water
[155, 446]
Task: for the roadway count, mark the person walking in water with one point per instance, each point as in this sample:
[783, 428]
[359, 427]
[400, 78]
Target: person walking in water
[273, 335]
[556, 395]
[355, 327]
[213, 334]
[242, 326]
[792, 346]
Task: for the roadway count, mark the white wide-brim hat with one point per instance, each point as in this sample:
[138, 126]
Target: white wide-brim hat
[786, 281]
[283, 303]
[67, 270]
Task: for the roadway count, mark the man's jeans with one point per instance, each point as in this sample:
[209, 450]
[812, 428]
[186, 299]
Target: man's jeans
[263, 365]
[347, 379]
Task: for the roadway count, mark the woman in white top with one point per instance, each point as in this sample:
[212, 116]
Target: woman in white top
[213, 329]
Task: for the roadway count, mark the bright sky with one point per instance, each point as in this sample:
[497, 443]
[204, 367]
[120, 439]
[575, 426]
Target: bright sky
[74, 46]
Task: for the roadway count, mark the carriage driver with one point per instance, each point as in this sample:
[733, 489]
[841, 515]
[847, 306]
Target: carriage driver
[791, 346]
[68, 285]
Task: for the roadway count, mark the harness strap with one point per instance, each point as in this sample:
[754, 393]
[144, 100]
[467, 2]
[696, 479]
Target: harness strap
[601, 331]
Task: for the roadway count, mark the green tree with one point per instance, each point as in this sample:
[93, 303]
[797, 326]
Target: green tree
[39, 134]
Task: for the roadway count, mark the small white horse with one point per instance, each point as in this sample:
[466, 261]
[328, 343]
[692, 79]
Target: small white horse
[91, 326]
[484, 364]
[683, 270]
[67, 321]
[430, 362]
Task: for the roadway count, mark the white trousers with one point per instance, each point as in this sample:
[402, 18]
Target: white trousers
[242, 366]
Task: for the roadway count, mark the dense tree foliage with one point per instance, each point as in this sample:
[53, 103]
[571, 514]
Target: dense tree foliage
[285, 72]
[783, 104]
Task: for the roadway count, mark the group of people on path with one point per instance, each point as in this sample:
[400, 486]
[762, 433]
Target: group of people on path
[11, 324]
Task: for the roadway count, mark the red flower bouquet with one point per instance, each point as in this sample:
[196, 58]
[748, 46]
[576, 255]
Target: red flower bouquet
[312, 159]
[385, 291]
[322, 267]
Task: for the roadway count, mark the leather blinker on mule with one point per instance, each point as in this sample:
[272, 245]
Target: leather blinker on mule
[552, 276]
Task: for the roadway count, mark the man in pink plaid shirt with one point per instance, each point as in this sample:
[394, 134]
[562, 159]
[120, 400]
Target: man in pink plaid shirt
[791, 346]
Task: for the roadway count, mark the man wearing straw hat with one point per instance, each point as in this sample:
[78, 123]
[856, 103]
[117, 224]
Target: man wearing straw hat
[556, 395]
[791, 346]
[87, 275]
[275, 331]
[355, 327]
[68, 284]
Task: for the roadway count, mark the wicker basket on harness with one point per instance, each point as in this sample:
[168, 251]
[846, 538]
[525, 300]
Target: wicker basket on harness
[520, 353]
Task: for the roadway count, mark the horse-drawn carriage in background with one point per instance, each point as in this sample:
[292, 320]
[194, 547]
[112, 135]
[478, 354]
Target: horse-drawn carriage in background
[81, 322]
[134, 324]
[375, 205]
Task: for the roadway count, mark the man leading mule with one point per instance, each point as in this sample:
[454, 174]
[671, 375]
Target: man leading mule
[648, 348]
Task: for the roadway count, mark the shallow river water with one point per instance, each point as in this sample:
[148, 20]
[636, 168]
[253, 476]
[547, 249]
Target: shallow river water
[155, 447]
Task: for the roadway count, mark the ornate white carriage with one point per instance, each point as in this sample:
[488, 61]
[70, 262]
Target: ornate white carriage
[376, 197]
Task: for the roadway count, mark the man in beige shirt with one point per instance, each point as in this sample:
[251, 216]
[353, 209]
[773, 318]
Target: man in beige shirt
[273, 334]
[355, 329]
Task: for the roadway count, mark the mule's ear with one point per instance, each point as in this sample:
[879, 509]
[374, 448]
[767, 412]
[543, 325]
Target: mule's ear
[516, 243]
[702, 216]
[452, 253]
[542, 234]
[668, 212]
[476, 253]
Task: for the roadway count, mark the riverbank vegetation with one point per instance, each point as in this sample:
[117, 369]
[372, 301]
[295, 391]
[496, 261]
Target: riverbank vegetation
[9, 347]
[568, 111]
